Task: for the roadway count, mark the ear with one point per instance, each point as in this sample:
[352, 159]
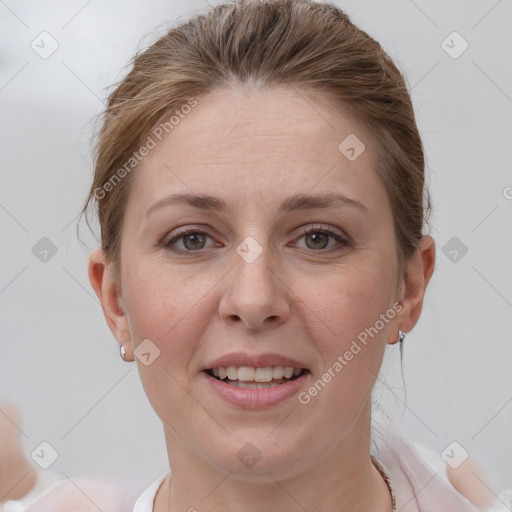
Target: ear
[419, 271]
[109, 294]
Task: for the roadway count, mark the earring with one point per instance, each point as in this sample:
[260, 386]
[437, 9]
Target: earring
[401, 337]
[123, 353]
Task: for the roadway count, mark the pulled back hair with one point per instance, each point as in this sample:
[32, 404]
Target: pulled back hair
[263, 43]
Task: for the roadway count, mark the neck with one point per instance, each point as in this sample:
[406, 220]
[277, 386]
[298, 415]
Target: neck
[345, 480]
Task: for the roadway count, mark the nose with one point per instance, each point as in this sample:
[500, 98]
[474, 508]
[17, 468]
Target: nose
[256, 293]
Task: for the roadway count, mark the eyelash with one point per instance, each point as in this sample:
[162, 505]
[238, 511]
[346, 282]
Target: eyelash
[305, 231]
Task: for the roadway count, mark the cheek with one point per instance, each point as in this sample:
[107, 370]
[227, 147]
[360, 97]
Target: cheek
[348, 301]
[172, 309]
[157, 297]
[159, 307]
[346, 311]
[351, 357]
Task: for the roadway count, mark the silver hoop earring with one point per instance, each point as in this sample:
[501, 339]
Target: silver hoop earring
[123, 353]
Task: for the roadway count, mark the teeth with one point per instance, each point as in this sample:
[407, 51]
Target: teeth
[250, 374]
[263, 374]
[277, 372]
[232, 373]
[245, 373]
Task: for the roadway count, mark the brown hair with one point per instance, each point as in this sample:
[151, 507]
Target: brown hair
[265, 43]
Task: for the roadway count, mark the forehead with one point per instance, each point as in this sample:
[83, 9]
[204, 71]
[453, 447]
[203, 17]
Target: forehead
[254, 146]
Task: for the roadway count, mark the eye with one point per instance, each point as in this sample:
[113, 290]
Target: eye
[317, 238]
[191, 240]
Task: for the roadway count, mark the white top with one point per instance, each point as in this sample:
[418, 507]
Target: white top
[418, 482]
[146, 500]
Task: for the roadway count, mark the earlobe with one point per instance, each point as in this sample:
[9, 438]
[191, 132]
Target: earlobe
[419, 271]
[109, 295]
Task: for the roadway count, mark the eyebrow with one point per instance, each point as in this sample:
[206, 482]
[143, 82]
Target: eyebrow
[291, 204]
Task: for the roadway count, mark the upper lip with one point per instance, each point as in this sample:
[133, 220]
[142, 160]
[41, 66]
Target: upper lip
[254, 360]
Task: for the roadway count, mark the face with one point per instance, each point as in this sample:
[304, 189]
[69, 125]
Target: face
[260, 279]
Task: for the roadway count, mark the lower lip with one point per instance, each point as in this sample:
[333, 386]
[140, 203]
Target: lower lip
[256, 398]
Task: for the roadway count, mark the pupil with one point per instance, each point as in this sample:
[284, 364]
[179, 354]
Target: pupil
[315, 236]
[195, 236]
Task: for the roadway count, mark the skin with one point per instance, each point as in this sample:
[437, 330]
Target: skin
[17, 475]
[299, 298]
[472, 481]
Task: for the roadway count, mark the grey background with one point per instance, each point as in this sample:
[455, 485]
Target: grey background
[58, 360]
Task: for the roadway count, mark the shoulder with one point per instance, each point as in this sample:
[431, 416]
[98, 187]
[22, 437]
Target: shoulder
[416, 474]
[146, 500]
[81, 495]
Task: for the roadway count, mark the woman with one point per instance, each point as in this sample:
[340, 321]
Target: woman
[259, 183]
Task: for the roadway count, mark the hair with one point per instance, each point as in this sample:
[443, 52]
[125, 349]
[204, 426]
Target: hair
[263, 43]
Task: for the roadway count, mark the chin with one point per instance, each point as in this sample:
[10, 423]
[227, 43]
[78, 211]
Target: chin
[259, 460]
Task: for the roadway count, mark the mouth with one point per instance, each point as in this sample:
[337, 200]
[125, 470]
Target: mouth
[248, 377]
